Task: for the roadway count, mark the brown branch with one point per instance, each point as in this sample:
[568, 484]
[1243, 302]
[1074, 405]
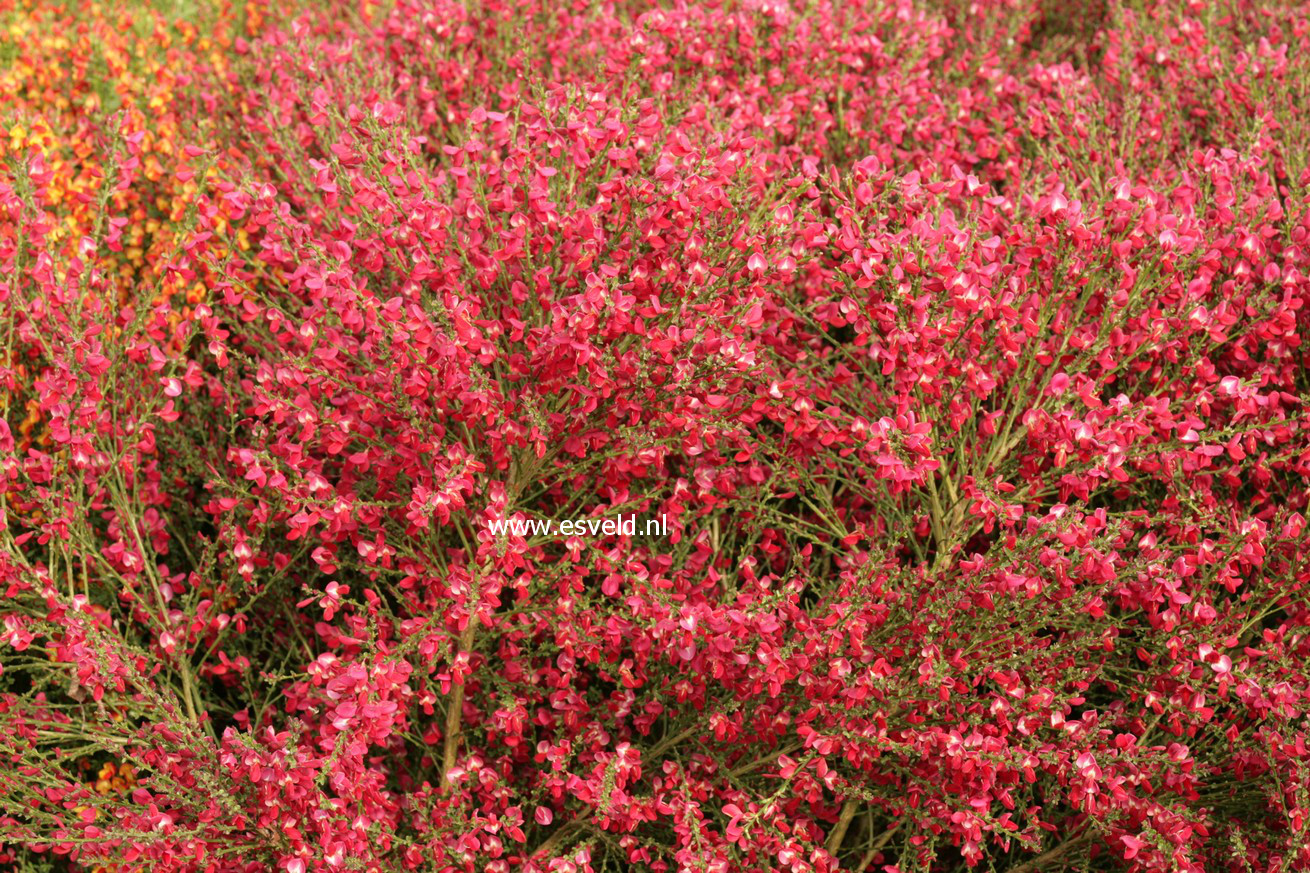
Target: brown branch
[553, 842]
[838, 834]
[455, 710]
[1035, 864]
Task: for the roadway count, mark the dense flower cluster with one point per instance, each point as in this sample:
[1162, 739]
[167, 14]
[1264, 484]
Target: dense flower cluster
[960, 345]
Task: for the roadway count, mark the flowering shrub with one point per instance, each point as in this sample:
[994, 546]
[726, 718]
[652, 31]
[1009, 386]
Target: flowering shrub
[959, 346]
